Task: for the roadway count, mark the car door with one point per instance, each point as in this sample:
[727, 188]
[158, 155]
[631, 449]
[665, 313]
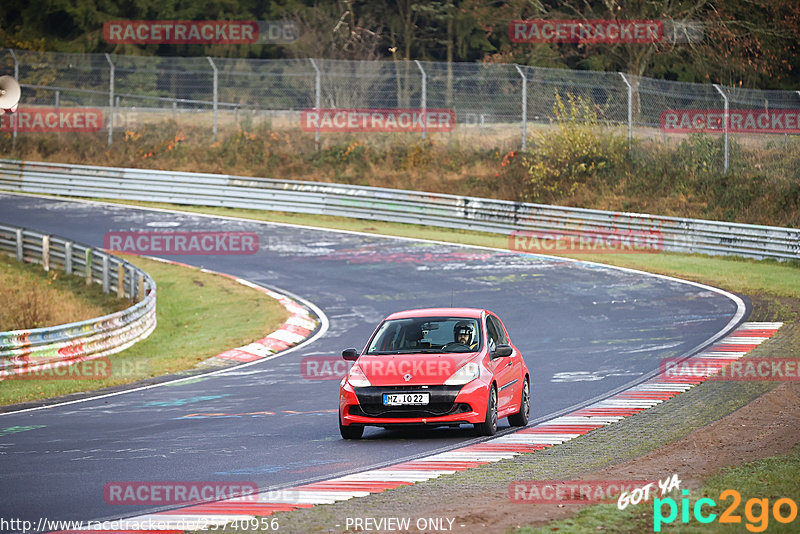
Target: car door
[505, 371]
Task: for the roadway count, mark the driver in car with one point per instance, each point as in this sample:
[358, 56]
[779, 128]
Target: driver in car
[464, 333]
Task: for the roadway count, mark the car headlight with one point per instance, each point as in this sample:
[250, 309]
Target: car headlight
[467, 373]
[357, 378]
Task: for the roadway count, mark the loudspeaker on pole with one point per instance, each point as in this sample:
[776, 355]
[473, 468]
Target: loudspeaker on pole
[10, 93]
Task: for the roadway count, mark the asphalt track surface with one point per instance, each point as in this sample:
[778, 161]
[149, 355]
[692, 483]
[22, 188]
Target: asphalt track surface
[584, 330]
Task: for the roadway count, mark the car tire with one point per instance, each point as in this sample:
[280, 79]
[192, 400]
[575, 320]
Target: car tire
[489, 425]
[521, 417]
[351, 432]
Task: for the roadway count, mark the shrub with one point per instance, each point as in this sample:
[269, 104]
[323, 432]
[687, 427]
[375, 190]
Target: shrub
[577, 151]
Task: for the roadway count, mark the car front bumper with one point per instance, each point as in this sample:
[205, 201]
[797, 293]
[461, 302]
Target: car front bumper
[448, 405]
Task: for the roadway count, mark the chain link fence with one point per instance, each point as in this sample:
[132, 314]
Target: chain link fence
[496, 105]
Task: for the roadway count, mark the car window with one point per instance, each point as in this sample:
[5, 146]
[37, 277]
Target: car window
[491, 330]
[498, 328]
[424, 334]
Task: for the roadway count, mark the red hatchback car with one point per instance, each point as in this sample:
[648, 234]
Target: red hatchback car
[436, 366]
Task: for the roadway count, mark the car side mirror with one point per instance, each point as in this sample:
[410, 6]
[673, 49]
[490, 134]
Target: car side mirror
[350, 354]
[502, 351]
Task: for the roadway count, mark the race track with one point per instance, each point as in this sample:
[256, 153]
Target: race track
[585, 331]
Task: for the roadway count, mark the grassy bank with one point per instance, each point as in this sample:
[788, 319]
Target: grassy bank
[199, 315]
[29, 296]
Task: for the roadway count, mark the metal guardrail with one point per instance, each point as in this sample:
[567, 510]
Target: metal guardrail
[38, 349]
[434, 209]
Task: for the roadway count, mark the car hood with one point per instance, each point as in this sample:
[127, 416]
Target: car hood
[412, 369]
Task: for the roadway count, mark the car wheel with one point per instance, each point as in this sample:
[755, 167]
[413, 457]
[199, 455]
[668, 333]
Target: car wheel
[351, 432]
[489, 426]
[521, 417]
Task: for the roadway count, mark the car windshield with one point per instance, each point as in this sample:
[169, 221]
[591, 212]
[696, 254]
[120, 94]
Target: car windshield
[426, 335]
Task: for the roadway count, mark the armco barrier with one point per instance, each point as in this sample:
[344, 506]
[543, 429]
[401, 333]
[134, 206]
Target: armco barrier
[26, 351]
[440, 210]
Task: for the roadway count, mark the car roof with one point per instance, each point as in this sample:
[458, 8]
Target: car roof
[475, 313]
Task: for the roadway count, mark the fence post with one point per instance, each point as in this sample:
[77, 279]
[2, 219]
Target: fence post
[423, 98]
[16, 77]
[110, 99]
[20, 244]
[630, 111]
[216, 94]
[727, 122]
[524, 107]
[317, 89]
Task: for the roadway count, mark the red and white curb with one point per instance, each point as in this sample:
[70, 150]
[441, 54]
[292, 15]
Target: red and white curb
[296, 329]
[553, 432]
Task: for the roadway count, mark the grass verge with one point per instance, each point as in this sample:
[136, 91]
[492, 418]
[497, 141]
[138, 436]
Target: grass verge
[199, 315]
[28, 295]
[765, 480]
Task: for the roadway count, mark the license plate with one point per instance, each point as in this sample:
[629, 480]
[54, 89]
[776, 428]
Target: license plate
[405, 399]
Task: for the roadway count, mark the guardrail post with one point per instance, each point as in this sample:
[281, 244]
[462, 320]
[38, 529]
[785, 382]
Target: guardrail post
[423, 98]
[524, 108]
[120, 280]
[20, 244]
[140, 292]
[105, 273]
[630, 111]
[46, 253]
[16, 77]
[132, 286]
[317, 90]
[216, 94]
[727, 123]
[110, 100]
[88, 272]
[68, 257]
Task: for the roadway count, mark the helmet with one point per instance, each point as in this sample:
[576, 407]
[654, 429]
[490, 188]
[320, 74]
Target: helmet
[463, 327]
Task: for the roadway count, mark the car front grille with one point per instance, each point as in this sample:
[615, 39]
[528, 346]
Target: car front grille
[442, 402]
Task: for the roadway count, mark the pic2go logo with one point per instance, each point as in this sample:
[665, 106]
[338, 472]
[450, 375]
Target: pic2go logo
[784, 510]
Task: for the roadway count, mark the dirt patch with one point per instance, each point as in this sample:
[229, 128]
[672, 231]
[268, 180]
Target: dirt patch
[768, 426]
